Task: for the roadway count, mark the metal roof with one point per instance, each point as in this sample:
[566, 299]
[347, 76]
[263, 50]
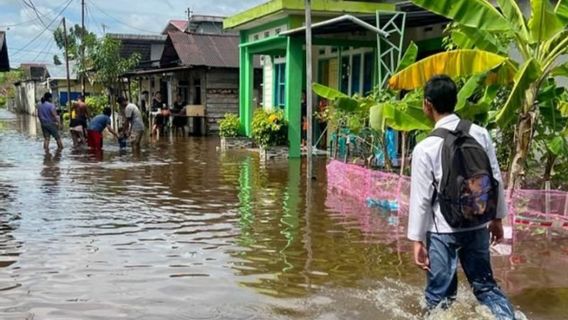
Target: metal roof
[415, 17]
[4, 62]
[201, 49]
[338, 24]
[59, 72]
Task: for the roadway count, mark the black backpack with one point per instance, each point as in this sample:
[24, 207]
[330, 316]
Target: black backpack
[468, 191]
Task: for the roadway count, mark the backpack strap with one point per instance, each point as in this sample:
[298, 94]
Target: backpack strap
[464, 126]
[440, 133]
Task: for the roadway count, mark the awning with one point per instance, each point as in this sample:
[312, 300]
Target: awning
[339, 24]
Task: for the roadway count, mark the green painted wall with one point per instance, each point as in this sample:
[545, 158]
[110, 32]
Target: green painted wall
[318, 7]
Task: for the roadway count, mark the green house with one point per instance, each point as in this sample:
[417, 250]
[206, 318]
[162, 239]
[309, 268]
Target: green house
[356, 44]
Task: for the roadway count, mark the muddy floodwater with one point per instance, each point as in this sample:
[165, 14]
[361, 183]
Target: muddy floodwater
[183, 231]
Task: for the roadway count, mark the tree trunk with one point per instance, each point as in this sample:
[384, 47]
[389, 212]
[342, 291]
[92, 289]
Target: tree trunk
[550, 160]
[523, 137]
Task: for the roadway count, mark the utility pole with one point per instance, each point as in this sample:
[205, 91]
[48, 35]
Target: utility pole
[309, 111]
[66, 68]
[83, 31]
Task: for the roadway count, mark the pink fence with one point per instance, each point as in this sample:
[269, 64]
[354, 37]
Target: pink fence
[530, 207]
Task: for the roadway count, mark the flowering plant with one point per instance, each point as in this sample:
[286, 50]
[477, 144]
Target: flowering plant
[269, 128]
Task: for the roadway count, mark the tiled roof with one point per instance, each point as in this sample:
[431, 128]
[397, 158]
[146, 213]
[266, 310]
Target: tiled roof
[200, 49]
[181, 25]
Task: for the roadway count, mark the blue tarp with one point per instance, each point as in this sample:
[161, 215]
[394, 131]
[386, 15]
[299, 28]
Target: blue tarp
[63, 97]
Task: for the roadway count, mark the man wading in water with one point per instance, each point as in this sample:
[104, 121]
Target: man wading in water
[456, 204]
[49, 121]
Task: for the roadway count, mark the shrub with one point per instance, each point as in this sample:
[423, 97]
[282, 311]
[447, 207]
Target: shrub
[269, 128]
[96, 104]
[229, 126]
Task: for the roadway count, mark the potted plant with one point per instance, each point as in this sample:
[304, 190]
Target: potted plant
[229, 132]
[270, 132]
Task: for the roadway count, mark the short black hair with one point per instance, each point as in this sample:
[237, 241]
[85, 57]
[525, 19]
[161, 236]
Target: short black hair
[442, 92]
[120, 100]
[107, 111]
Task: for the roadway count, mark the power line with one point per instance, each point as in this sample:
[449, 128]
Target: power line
[31, 20]
[45, 29]
[119, 21]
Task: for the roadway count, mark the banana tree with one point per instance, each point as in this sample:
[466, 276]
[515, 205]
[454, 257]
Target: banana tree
[478, 26]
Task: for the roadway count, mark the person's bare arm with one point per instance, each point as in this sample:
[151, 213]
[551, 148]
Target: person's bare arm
[55, 116]
[109, 128]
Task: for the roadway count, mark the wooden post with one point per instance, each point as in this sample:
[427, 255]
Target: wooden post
[82, 47]
[67, 70]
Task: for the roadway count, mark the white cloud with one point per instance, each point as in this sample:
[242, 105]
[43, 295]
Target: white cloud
[134, 16]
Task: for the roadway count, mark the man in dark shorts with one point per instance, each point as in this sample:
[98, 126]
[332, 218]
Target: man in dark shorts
[49, 121]
[180, 117]
[96, 128]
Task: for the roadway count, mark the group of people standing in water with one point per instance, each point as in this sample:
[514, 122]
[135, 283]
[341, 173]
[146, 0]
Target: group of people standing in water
[89, 130]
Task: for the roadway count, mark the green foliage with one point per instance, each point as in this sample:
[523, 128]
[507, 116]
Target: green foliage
[78, 39]
[108, 64]
[229, 125]
[530, 110]
[473, 13]
[96, 104]
[269, 128]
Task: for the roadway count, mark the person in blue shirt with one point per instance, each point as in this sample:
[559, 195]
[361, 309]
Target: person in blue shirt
[49, 121]
[96, 127]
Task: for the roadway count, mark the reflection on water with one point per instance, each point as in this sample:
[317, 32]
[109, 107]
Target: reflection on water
[181, 231]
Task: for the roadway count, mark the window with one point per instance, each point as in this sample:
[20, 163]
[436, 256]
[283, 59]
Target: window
[277, 30]
[356, 74]
[280, 85]
[266, 34]
[255, 37]
[357, 71]
[368, 69]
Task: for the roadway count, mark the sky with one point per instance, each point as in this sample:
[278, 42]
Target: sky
[29, 41]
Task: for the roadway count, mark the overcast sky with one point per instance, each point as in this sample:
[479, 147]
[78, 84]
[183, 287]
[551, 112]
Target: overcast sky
[118, 16]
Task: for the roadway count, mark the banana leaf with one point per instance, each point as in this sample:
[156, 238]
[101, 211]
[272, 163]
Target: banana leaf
[327, 92]
[558, 146]
[377, 121]
[409, 56]
[398, 116]
[561, 70]
[456, 63]
[346, 104]
[561, 10]
[478, 14]
[523, 80]
[514, 15]
[473, 38]
[544, 23]
[471, 111]
[468, 89]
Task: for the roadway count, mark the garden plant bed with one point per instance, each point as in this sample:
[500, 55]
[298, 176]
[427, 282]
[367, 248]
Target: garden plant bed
[231, 143]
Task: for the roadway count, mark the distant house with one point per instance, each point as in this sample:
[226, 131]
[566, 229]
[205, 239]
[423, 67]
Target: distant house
[200, 63]
[4, 62]
[31, 88]
[203, 69]
[175, 25]
[149, 47]
[57, 79]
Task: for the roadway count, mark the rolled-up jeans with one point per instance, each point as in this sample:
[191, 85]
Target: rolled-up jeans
[472, 250]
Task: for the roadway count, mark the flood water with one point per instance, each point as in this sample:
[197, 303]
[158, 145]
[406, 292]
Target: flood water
[183, 231]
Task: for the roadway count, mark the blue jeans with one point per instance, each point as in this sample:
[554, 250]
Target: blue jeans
[472, 249]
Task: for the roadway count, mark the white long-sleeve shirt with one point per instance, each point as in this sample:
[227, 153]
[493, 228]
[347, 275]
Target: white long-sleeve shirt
[427, 160]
